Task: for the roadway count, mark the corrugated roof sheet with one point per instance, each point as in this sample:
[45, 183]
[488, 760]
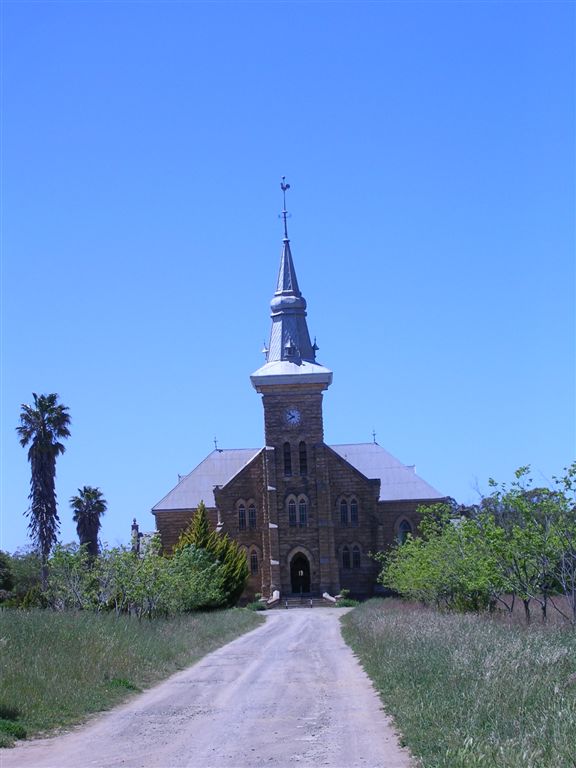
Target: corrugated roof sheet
[397, 481]
[218, 468]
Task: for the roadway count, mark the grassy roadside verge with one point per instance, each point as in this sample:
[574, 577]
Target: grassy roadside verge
[469, 691]
[57, 668]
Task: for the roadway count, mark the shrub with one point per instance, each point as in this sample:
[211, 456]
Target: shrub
[257, 605]
[347, 602]
[233, 566]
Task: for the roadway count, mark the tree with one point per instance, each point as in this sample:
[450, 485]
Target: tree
[88, 507]
[42, 427]
[6, 575]
[233, 566]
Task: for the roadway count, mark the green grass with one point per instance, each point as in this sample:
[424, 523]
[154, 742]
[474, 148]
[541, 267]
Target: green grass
[57, 668]
[469, 691]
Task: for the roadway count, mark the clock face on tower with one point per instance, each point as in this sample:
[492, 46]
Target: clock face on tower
[292, 417]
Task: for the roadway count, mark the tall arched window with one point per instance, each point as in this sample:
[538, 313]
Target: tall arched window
[252, 517]
[403, 530]
[253, 563]
[346, 558]
[287, 459]
[354, 513]
[303, 512]
[303, 458]
[242, 517]
[356, 557]
[344, 512]
[292, 513]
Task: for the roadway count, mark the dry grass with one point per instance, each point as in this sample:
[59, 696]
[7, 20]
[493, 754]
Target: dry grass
[469, 690]
[56, 668]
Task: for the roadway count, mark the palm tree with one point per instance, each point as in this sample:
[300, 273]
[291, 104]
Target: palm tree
[42, 426]
[88, 506]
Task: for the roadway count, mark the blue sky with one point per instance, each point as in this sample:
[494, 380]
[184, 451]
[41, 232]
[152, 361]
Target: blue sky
[430, 149]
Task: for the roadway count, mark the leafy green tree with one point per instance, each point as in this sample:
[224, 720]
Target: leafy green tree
[566, 532]
[6, 575]
[233, 570]
[88, 508]
[71, 583]
[198, 580]
[530, 554]
[450, 564]
[26, 568]
[42, 427]
[198, 532]
[520, 542]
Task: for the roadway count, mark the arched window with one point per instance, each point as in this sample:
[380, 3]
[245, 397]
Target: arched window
[242, 517]
[303, 458]
[287, 459]
[292, 513]
[252, 517]
[354, 513]
[356, 557]
[253, 563]
[346, 558]
[303, 513]
[403, 530]
[344, 512]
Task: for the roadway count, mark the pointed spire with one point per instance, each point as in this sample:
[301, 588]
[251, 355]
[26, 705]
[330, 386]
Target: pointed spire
[287, 282]
[289, 338]
[290, 355]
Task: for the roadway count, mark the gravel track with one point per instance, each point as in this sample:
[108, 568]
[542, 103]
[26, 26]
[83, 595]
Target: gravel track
[289, 693]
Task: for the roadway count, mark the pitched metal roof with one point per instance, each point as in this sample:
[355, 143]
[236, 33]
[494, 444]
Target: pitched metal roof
[289, 337]
[218, 468]
[397, 481]
[287, 282]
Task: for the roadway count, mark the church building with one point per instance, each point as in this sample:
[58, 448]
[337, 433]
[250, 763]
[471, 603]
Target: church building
[308, 514]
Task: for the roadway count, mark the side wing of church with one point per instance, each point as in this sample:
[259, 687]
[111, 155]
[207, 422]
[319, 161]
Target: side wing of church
[307, 514]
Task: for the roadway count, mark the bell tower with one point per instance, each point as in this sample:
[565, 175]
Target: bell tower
[299, 544]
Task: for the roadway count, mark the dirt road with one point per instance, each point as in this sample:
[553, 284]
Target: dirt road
[287, 694]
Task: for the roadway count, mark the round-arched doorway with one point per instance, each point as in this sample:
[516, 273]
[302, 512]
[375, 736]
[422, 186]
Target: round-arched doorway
[300, 574]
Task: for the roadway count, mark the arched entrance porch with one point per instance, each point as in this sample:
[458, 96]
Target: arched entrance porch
[300, 574]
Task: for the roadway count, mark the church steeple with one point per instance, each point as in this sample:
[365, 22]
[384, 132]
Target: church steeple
[290, 351]
[289, 337]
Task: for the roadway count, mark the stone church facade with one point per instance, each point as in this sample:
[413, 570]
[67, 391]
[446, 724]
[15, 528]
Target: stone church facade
[307, 514]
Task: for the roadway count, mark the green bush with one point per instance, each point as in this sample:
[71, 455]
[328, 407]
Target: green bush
[256, 605]
[519, 541]
[231, 560]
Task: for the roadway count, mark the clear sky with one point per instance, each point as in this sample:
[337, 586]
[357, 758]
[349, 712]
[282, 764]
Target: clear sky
[430, 149]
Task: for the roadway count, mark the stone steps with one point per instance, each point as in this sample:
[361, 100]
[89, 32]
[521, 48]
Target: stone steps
[306, 602]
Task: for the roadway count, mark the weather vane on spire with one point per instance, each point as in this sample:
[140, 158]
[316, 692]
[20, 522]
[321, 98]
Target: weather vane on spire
[284, 187]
